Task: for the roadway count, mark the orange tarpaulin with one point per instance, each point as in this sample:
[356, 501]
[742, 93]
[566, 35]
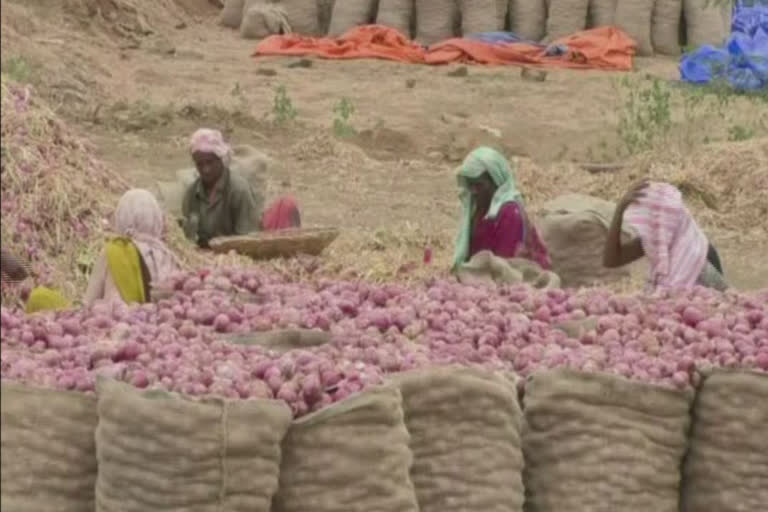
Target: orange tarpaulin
[602, 48]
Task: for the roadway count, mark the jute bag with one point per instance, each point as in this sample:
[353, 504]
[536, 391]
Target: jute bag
[325, 9]
[634, 18]
[665, 26]
[351, 456]
[303, 16]
[397, 14]
[348, 14]
[163, 452]
[727, 466]
[48, 461]
[602, 443]
[566, 17]
[574, 229]
[465, 436]
[487, 269]
[232, 14]
[528, 18]
[435, 20]
[263, 19]
[480, 16]
[601, 13]
[706, 23]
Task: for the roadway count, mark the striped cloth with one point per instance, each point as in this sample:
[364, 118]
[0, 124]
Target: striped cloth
[674, 245]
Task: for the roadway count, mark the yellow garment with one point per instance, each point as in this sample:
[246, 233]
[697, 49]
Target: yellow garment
[124, 264]
[45, 299]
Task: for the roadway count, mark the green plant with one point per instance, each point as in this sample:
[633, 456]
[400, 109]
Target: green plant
[283, 109]
[646, 116]
[17, 69]
[740, 133]
[344, 110]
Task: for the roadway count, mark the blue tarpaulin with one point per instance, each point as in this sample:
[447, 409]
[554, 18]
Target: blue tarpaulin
[743, 61]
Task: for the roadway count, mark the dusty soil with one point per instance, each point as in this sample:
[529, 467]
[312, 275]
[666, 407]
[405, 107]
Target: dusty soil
[138, 81]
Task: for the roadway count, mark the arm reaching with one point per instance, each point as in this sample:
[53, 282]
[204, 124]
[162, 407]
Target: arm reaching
[615, 253]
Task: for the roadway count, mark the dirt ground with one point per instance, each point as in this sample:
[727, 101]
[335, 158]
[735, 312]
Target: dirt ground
[137, 82]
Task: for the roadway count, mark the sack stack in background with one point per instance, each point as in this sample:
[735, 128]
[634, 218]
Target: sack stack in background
[232, 14]
[727, 465]
[351, 456]
[262, 19]
[602, 443]
[528, 18]
[435, 20]
[634, 18]
[706, 22]
[348, 14]
[398, 14]
[665, 26]
[601, 13]
[48, 461]
[565, 17]
[480, 16]
[163, 452]
[465, 437]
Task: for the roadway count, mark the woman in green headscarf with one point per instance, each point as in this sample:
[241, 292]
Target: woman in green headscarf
[493, 215]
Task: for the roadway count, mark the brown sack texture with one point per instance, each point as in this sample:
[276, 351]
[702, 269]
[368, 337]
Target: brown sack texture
[163, 452]
[634, 18]
[435, 20]
[706, 23]
[480, 16]
[665, 26]
[727, 465]
[348, 14]
[566, 17]
[397, 14]
[465, 436]
[352, 456]
[48, 461]
[601, 13]
[528, 18]
[232, 14]
[303, 16]
[602, 443]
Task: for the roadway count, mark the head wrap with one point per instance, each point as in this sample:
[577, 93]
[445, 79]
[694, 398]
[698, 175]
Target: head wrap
[206, 140]
[480, 161]
[140, 218]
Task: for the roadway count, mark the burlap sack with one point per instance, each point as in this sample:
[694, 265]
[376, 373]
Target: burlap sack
[465, 436]
[566, 17]
[232, 14]
[264, 19]
[348, 14]
[574, 228]
[162, 452]
[528, 18]
[170, 195]
[634, 18]
[665, 26]
[48, 461]
[487, 269]
[435, 20]
[727, 465]
[325, 9]
[351, 456]
[303, 16]
[602, 443]
[706, 22]
[480, 16]
[601, 13]
[397, 14]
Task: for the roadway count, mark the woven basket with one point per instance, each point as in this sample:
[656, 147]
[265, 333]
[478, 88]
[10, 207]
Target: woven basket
[277, 244]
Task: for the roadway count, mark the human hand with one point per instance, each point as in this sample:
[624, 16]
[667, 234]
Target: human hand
[635, 192]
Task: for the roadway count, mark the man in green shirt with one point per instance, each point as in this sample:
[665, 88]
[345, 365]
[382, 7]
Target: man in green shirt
[218, 203]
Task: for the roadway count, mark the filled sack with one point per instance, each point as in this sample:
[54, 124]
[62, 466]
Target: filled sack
[634, 18]
[706, 22]
[436, 20]
[565, 18]
[397, 14]
[348, 14]
[602, 443]
[161, 451]
[48, 461]
[601, 13]
[351, 456]
[727, 465]
[264, 19]
[303, 16]
[665, 26]
[480, 16]
[465, 436]
[528, 18]
[232, 14]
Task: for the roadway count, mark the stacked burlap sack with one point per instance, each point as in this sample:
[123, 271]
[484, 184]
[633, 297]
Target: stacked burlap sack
[574, 229]
[487, 269]
[726, 469]
[602, 443]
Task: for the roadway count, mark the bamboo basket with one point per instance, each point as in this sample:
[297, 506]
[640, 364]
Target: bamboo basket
[277, 244]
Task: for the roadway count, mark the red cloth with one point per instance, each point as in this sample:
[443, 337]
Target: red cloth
[601, 48]
[282, 214]
[506, 237]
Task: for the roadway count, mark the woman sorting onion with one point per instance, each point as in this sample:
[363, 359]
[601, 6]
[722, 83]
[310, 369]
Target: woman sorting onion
[679, 253]
[493, 215]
